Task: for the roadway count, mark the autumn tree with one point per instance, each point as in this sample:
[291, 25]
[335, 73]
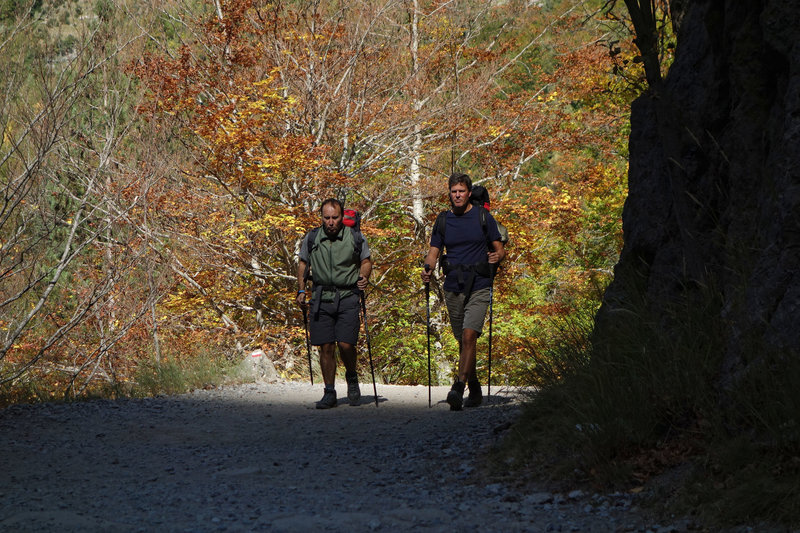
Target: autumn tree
[70, 252]
[168, 232]
[286, 104]
[280, 105]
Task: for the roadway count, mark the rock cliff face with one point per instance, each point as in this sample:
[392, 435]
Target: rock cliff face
[713, 211]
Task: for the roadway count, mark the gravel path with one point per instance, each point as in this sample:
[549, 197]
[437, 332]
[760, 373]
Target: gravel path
[259, 457]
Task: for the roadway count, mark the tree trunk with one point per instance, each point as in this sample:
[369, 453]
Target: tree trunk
[415, 151]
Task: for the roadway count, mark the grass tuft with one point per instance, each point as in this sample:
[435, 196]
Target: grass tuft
[171, 376]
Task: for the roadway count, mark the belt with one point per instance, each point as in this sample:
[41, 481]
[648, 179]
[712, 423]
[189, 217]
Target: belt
[317, 298]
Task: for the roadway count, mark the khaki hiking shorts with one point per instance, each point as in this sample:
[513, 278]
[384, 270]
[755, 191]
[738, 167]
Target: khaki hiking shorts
[471, 316]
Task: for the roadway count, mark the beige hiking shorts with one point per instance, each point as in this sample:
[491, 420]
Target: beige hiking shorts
[469, 316]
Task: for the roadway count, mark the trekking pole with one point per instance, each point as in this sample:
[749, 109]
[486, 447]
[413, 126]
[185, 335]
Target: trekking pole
[428, 324]
[369, 345]
[491, 316]
[489, 381]
[308, 344]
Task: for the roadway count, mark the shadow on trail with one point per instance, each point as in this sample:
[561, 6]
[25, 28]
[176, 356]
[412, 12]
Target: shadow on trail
[245, 455]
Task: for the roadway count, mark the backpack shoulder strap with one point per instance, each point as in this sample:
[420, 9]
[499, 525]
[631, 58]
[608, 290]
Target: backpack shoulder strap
[358, 242]
[440, 225]
[312, 239]
[484, 225]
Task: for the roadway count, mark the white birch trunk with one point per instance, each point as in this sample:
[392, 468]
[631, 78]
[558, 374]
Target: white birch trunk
[414, 171]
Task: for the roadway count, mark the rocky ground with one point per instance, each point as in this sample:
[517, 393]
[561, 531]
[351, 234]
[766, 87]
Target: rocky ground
[259, 457]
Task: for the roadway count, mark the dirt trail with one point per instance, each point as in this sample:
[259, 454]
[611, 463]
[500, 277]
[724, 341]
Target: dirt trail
[259, 457]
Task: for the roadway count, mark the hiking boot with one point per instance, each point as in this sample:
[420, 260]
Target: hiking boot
[353, 390]
[328, 399]
[475, 397]
[456, 396]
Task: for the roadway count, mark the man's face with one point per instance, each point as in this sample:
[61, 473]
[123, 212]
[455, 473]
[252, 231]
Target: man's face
[459, 195]
[331, 219]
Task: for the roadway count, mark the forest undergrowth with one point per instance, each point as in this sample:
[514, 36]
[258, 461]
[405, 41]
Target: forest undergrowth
[642, 410]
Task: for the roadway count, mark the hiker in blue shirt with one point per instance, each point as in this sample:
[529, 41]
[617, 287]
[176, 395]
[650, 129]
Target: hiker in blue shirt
[340, 263]
[474, 249]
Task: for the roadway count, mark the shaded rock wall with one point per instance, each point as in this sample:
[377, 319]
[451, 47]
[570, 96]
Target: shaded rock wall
[714, 182]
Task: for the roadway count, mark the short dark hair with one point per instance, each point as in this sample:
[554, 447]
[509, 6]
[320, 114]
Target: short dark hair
[334, 202]
[457, 178]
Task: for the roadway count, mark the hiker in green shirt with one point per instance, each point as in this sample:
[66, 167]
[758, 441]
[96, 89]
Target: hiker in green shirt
[340, 266]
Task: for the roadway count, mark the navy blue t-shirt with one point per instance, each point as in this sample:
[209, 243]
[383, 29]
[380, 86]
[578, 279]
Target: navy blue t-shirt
[465, 244]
